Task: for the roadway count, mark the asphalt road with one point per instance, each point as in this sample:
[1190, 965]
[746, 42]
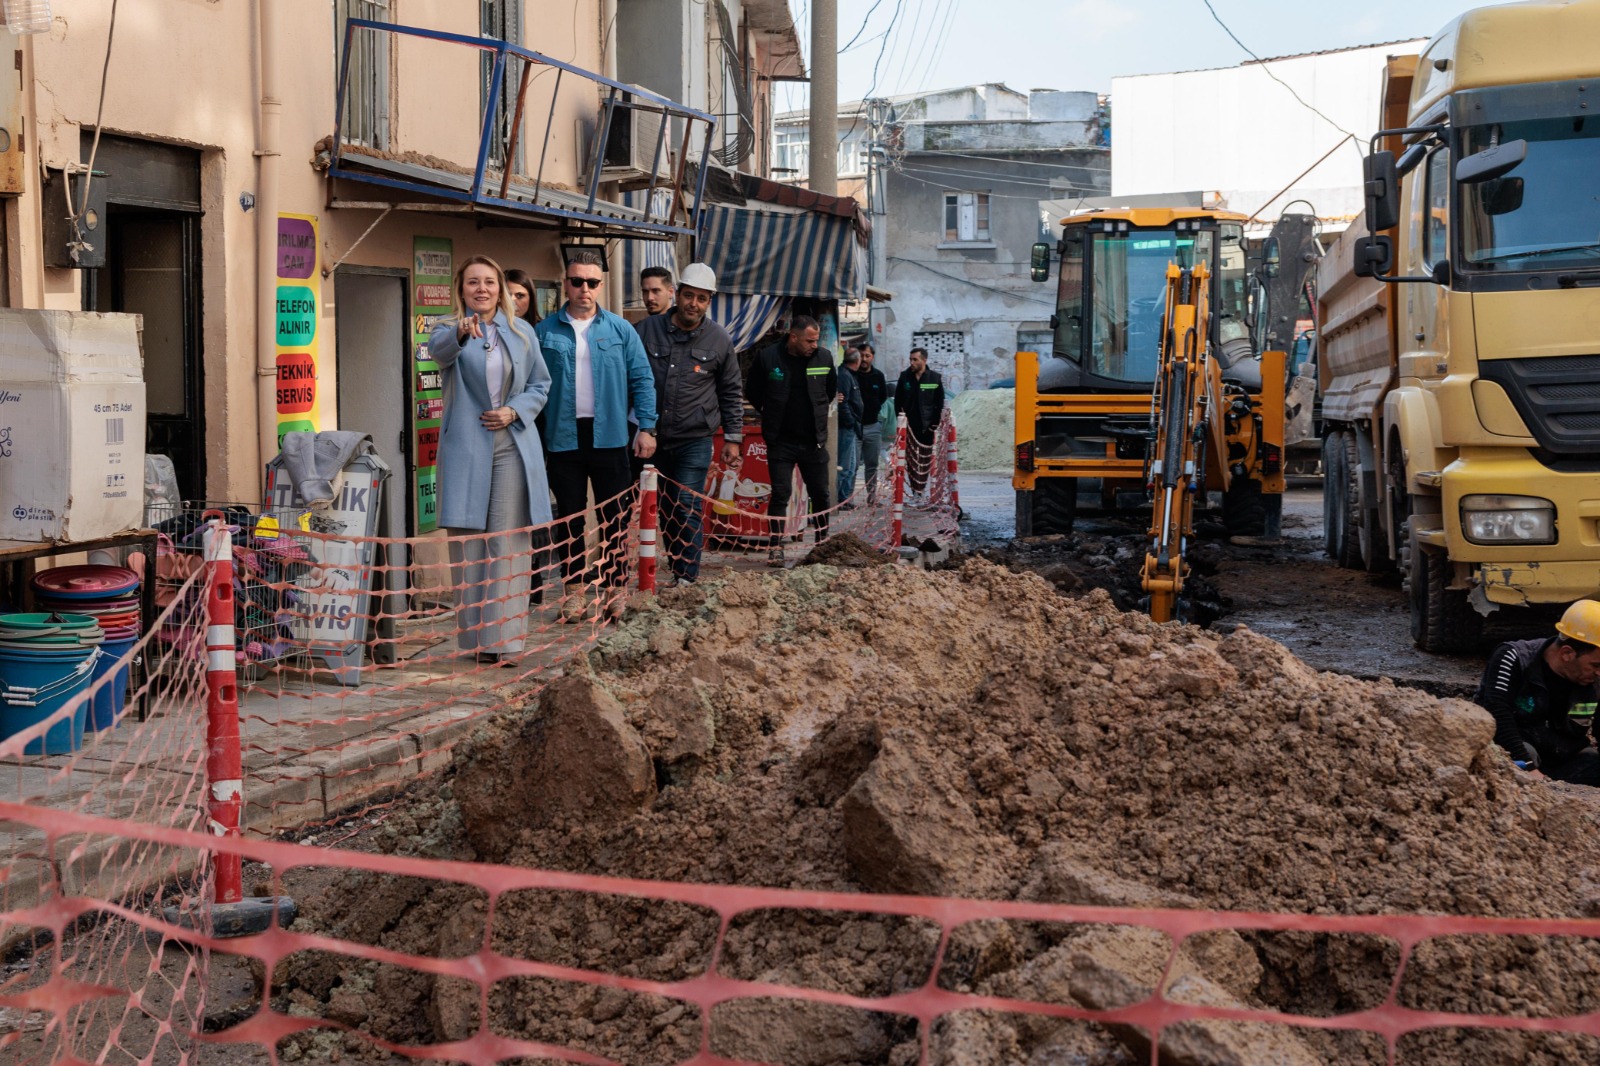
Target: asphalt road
[1345, 621]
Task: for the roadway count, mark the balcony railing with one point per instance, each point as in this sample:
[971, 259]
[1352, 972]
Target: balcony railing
[631, 139]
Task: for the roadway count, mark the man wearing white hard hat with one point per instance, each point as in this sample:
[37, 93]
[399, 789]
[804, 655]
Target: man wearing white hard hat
[1542, 693]
[697, 389]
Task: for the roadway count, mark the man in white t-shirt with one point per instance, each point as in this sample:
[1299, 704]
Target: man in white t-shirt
[597, 369]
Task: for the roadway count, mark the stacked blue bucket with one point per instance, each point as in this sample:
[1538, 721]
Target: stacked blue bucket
[109, 595]
[46, 661]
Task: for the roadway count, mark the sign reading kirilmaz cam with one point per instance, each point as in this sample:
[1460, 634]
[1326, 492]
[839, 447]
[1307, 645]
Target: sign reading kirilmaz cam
[332, 620]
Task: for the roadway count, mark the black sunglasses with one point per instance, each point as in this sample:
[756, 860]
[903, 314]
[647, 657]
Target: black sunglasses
[593, 283]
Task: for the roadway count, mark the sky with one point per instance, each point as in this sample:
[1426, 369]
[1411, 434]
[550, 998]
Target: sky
[916, 45]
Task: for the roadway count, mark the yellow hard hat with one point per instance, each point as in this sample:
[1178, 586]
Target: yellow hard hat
[1581, 622]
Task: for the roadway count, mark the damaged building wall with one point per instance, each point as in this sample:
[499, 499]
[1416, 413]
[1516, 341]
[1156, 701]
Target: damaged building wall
[964, 292]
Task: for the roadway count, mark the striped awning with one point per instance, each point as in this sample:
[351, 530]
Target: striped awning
[778, 253]
[638, 254]
[746, 318]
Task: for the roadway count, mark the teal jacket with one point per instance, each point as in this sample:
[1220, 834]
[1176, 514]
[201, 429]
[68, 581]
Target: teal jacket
[621, 377]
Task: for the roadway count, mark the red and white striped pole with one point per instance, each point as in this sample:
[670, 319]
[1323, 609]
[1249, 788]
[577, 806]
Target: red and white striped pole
[899, 466]
[950, 455]
[648, 521]
[224, 767]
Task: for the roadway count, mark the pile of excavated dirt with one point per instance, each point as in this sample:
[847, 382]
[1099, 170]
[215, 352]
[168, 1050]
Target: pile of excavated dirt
[845, 550]
[972, 733]
[985, 433]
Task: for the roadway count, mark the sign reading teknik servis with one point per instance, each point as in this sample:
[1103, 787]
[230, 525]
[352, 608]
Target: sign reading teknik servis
[431, 299]
[297, 303]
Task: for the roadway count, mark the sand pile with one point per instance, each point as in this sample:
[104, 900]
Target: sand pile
[976, 733]
[985, 430]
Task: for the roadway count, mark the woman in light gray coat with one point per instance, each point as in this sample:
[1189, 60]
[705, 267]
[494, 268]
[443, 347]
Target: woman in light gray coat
[491, 466]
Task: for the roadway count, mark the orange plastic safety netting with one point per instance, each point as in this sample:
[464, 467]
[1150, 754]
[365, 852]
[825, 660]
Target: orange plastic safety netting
[699, 974]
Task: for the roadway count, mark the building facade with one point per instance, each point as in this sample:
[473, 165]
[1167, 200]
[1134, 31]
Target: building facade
[286, 212]
[961, 211]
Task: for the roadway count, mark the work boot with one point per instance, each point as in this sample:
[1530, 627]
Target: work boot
[775, 557]
[575, 603]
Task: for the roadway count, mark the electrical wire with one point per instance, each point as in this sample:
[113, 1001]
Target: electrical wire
[78, 243]
[1274, 77]
[866, 19]
[974, 284]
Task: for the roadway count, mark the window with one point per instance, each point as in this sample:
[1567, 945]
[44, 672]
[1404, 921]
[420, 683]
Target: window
[791, 151]
[366, 92]
[1436, 226]
[853, 155]
[966, 216]
[502, 20]
[1039, 340]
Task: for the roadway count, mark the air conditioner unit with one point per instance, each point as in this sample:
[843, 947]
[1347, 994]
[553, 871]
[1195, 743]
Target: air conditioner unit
[631, 142]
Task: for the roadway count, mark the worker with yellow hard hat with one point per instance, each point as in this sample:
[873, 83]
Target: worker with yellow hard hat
[1542, 694]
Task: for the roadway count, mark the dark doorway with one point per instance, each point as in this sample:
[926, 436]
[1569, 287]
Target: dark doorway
[153, 269]
[152, 235]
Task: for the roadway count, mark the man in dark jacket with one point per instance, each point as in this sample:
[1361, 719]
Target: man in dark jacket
[850, 416]
[791, 384]
[919, 395]
[697, 389]
[874, 390]
[1542, 694]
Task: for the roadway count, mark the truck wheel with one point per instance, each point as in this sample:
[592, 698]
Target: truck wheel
[1055, 505]
[1332, 501]
[1442, 619]
[1369, 548]
[1244, 509]
[1350, 516]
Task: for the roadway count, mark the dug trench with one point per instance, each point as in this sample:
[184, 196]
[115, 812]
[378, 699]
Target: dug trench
[974, 732]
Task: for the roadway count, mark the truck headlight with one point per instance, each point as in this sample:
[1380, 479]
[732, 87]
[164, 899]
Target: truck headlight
[1508, 519]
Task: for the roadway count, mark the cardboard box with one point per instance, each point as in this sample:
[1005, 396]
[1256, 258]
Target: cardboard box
[72, 415]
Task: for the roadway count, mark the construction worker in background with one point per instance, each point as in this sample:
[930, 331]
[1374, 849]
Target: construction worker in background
[1542, 693]
[919, 395]
[850, 427]
[874, 390]
[791, 384]
[655, 285]
[697, 390]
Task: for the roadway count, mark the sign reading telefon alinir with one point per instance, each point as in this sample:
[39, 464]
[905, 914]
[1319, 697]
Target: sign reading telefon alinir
[297, 303]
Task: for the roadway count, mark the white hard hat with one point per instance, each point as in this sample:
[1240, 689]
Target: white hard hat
[698, 276]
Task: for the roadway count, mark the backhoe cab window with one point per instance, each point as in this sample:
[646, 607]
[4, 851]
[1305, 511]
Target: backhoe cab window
[1069, 300]
[1544, 214]
[1129, 287]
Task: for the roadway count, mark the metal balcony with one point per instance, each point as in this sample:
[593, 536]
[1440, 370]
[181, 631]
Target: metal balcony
[421, 172]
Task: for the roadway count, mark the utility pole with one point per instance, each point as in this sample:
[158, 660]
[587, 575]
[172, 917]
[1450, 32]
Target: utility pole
[824, 117]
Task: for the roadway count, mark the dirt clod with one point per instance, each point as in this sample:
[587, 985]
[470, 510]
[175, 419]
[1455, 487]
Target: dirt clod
[846, 550]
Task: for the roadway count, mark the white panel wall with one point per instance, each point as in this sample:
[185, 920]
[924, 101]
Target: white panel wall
[1238, 132]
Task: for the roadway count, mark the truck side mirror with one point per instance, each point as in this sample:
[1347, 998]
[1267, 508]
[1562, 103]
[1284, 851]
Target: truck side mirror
[1039, 262]
[1373, 256]
[1271, 256]
[1495, 161]
[1383, 191]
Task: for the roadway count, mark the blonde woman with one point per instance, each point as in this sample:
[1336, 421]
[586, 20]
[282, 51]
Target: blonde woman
[491, 465]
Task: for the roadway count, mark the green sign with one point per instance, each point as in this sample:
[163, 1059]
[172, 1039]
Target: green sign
[432, 298]
[296, 316]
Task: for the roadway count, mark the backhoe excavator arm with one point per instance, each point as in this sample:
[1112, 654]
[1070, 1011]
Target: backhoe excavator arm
[1178, 414]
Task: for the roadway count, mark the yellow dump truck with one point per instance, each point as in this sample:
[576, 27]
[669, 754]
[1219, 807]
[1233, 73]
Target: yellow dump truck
[1459, 326]
[1086, 417]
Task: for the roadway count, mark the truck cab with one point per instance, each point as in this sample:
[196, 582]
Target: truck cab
[1469, 457]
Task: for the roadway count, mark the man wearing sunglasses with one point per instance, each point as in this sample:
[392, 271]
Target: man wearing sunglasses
[597, 369]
